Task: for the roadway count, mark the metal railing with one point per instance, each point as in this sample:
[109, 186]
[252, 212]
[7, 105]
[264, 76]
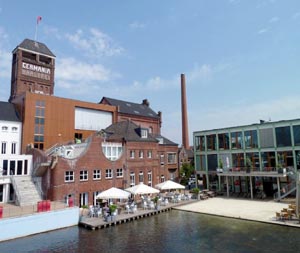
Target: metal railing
[286, 190]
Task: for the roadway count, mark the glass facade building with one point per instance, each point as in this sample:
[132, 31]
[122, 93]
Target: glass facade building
[262, 148]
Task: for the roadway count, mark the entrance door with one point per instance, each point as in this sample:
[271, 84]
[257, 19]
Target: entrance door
[84, 199]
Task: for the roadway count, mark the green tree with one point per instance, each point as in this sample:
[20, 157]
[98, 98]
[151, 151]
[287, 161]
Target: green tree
[186, 171]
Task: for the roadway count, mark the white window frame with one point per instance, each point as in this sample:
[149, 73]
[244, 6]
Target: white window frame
[149, 178]
[108, 173]
[84, 175]
[132, 154]
[141, 176]
[172, 175]
[97, 174]
[141, 154]
[149, 153]
[162, 178]
[13, 148]
[69, 176]
[132, 179]
[3, 147]
[162, 159]
[144, 133]
[112, 150]
[119, 172]
[172, 158]
[4, 128]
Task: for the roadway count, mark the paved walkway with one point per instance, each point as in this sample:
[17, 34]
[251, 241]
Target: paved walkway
[254, 210]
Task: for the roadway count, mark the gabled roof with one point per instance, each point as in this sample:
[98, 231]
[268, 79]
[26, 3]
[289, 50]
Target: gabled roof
[128, 131]
[35, 46]
[8, 112]
[131, 108]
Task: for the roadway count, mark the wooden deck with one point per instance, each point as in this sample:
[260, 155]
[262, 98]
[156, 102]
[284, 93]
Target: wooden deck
[94, 223]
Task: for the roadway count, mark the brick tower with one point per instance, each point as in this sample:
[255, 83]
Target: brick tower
[33, 67]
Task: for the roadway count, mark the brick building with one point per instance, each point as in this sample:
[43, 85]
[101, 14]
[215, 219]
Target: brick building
[47, 119]
[140, 114]
[66, 137]
[122, 155]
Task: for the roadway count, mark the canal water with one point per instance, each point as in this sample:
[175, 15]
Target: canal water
[174, 231]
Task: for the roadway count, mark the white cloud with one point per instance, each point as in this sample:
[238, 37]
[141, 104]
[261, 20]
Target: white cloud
[243, 114]
[5, 56]
[5, 64]
[137, 25]
[52, 31]
[262, 31]
[234, 1]
[78, 79]
[94, 43]
[273, 20]
[296, 15]
[200, 74]
[3, 37]
[73, 70]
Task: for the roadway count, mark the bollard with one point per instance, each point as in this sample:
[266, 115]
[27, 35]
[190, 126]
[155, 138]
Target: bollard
[71, 202]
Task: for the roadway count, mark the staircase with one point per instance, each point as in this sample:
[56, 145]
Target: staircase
[26, 191]
[288, 189]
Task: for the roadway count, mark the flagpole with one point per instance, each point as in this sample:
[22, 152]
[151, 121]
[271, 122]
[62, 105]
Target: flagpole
[35, 36]
[38, 19]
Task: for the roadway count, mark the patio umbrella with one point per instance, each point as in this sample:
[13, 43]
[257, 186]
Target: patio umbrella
[169, 185]
[113, 193]
[141, 189]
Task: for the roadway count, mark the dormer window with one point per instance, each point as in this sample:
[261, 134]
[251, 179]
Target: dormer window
[160, 140]
[4, 128]
[144, 133]
[14, 129]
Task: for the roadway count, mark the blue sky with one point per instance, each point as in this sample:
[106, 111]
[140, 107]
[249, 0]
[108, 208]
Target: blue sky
[241, 58]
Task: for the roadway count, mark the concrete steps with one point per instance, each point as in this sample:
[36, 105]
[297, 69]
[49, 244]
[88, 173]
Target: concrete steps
[26, 191]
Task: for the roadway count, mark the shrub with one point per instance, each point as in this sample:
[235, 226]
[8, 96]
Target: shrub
[195, 190]
[112, 208]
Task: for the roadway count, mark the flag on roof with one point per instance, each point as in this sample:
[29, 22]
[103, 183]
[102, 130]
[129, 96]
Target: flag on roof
[39, 19]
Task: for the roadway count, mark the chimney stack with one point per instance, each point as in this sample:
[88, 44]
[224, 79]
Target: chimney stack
[146, 102]
[185, 131]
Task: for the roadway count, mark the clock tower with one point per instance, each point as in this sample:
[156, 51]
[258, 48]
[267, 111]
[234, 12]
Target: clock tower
[33, 66]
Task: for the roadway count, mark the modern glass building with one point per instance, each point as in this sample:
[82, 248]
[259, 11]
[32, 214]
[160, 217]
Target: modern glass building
[251, 158]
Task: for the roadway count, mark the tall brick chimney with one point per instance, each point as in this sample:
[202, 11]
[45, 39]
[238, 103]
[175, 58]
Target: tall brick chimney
[185, 130]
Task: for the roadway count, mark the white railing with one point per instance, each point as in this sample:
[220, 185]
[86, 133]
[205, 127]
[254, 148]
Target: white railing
[286, 190]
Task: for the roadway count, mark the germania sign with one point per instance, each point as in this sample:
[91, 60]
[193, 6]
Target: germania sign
[35, 68]
[35, 71]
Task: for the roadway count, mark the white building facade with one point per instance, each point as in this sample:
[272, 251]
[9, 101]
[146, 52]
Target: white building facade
[12, 163]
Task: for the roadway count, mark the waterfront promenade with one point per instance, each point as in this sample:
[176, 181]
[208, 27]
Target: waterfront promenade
[252, 210]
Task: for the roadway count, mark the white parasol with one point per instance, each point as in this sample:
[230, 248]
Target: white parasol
[113, 193]
[169, 185]
[141, 189]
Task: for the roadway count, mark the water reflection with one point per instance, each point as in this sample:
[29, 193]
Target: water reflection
[174, 231]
